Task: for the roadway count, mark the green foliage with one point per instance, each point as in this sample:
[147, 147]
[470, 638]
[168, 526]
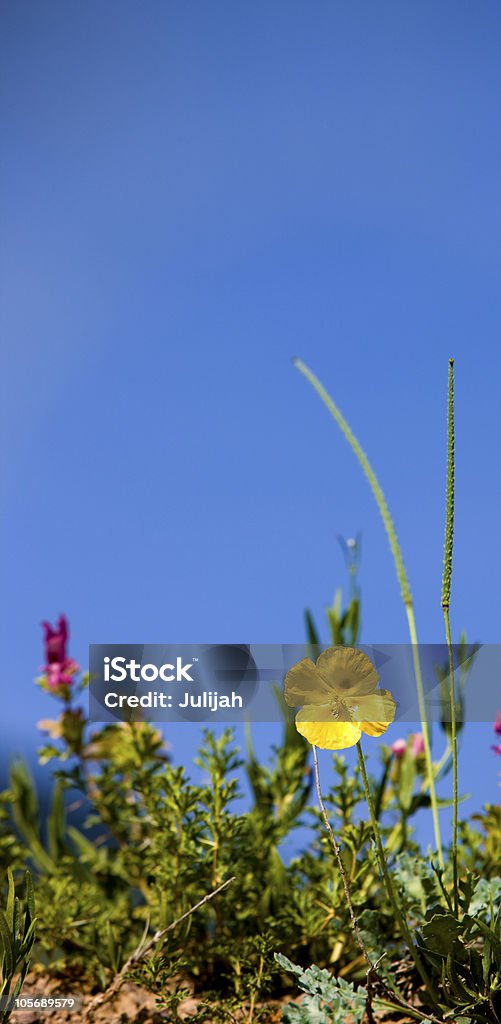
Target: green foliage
[462, 953]
[327, 1000]
[17, 937]
[158, 843]
[465, 953]
[155, 843]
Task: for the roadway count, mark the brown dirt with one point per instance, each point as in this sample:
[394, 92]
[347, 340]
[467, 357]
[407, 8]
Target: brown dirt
[131, 1005]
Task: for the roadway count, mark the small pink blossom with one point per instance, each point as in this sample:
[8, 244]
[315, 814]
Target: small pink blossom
[497, 724]
[417, 745]
[497, 748]
[399, 747]
[61, 675]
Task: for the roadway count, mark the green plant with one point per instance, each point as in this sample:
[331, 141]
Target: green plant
[463, 956]
[17, 937]
[327, 1000]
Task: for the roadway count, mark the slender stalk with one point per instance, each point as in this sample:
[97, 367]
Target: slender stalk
[454, 746]
[446, 600]
[401, 574]
[411, 1010]
[425, 730]
[392, 895]
[369, 472]
[337, 854]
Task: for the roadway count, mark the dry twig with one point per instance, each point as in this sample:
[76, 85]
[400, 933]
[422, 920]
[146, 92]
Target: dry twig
[142, 950]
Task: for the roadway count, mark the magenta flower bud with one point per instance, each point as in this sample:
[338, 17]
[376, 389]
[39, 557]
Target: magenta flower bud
[56, 641]
[417, 745]
[399, 747]
[497, 724]
[497, 748]
[59, 669]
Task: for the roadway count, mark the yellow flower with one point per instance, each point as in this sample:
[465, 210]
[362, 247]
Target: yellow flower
[339, 698]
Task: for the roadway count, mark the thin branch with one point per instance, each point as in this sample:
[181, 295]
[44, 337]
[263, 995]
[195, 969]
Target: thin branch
[143, 949]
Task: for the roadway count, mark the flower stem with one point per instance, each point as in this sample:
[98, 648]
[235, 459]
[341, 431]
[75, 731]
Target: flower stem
[392, 895]
[446, 600]
[401, 574]
[387, 986]
[337, 853]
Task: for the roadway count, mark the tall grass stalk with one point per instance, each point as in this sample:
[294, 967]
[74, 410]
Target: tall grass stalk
[402, 578]
[446, 600]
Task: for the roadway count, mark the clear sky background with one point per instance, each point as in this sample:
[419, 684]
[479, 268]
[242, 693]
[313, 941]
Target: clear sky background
[191, 194]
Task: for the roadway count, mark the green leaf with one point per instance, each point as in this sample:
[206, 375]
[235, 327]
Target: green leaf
[287, 964]
[29, 894]
[487, 892]
[492, 938]
[308, 1012]
[9, 914]
[340, 997]
[441, 931]
[311, 631]
[16, 916]
[7, 946]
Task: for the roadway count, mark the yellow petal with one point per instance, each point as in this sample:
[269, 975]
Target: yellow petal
[315, 723]
[374, 728]
[378, 712]
[347, 671]
[304, 685]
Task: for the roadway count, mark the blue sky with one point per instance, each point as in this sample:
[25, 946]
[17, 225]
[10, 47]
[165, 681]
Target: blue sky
[191, 194]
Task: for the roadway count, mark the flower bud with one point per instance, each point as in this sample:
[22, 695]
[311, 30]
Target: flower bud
[417, 745]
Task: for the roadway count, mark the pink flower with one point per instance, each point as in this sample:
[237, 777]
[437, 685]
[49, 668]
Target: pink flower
[497, 748]
[497, 724]
[399, 747]
[417, 745]
[59, 669]
[56, 641]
